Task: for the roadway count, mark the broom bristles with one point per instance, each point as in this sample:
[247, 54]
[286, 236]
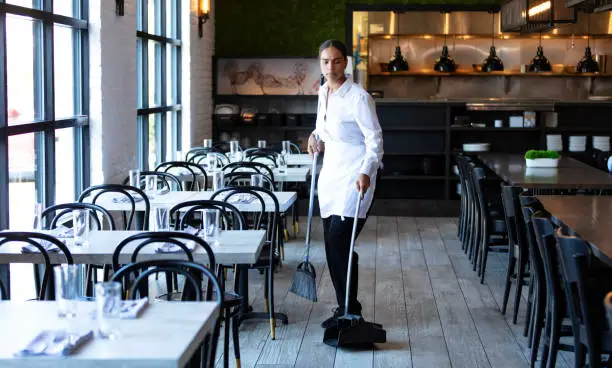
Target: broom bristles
[304, 282]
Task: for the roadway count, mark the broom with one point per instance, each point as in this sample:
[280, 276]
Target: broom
[304, 282]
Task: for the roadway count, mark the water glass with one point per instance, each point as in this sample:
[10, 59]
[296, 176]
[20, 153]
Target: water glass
[207, 143]
[261, 144]
[257, 180]
[286, 147]
[135, 178]
[212, 226]
[151, 183]
[178, 156]
[162, 219]
[108, 309]
[211, 161]
[235, 151]
[80, 226]
[281, 163]
[66, 290]
[218, 180]
[37, 216]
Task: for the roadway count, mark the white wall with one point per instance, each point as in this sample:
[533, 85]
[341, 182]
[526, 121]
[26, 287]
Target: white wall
[113, 94]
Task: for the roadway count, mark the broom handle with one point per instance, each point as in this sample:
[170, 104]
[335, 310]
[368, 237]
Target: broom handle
[350, 263]
[313, 174]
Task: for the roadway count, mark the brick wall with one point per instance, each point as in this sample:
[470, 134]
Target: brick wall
[113, 94]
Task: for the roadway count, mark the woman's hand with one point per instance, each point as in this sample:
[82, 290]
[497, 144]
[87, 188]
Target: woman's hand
[314, 146]
[363, 183]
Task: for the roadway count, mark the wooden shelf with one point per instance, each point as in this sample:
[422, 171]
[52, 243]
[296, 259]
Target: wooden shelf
[415, 154]
[467, 129]
[414, 128]
[470, 73]
[578, 129]
[412, 177]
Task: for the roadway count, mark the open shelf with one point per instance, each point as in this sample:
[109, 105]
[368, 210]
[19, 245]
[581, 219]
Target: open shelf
[414, 128]
[471, 73]
[467, 129]
[579, 129]
[412, 177]
[415, 154]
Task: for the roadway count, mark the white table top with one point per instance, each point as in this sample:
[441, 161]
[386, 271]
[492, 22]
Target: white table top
[285, 200]
[166, 335]
[299, 159]
[170, 199]
[235, 247]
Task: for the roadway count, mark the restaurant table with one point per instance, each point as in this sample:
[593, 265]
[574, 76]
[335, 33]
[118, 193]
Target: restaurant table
[165, 335]
[290, 175]
[571, 173]
[590, 217]
[285, 201]
[299, 159]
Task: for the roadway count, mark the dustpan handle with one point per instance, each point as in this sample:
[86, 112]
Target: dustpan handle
[350, 262]
[313, 180]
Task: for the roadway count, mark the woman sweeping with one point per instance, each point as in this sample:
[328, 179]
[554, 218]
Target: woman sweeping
[347, 130]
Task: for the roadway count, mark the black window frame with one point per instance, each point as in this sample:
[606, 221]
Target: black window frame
[160, 111]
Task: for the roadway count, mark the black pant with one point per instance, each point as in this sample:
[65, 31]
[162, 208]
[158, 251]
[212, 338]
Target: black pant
[337, 235]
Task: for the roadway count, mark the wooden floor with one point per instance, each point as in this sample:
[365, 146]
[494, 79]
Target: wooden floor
[415, 280]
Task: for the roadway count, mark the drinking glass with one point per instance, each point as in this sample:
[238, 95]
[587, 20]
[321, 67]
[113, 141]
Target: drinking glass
[261, 143]
[179, 156]
[211, 161]
[257, 180]
[286, 147]
[108, 309]
[135, 178]
[282, 163]
[162, 219]
[218, 180]
[235, 151]
[212, 226]
[66, 290]
[207, 143]
[37, 216]
[80, 226]
[151, 183]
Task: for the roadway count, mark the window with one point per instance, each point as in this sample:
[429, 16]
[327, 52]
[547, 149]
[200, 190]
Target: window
[43, 123]
[159, 98]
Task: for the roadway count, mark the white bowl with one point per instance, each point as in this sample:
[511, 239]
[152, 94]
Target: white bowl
[476, 147]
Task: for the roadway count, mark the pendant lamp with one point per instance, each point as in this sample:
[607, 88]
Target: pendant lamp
[587, 64]
[397, 63]
[445, 63]
[492, 63]
[540, 63]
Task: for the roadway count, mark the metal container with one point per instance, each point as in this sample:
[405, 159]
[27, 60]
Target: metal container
[602, 60]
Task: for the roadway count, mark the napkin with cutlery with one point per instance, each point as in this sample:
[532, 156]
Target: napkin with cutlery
[173, 248]
[61, 232]
[241, 199]
[55, 343]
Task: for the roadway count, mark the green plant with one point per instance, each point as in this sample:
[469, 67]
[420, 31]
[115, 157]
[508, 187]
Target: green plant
[533, 154]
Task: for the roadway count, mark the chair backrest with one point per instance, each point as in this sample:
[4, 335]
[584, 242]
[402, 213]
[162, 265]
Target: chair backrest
[608, 305]
[193, 169]
[51, 215]
[574, 257]
[196, 151]
[226, 195]
[162, 237]
[242, 179]
[37, 240]
[183, 214]
[164, 179]
[258, 166]
[125, 191]
[194, 275]
[479, 177]
[268, 160]
[545, 239]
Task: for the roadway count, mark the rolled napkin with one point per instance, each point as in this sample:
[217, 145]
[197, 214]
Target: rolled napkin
[131, 309]
[124, 199]
[242, 199]
[173, 248]
[55, 343]
[61, 232]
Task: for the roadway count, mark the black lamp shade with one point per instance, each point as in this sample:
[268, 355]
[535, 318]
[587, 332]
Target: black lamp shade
[445, 63]
[540, 63]
[398, 63]
[587, 64]
[492, 63]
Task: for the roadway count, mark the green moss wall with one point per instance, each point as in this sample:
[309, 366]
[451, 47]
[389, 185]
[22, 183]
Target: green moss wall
[287, 27]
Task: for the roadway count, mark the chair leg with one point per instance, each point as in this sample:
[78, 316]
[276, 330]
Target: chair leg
[509, 273]
[483, 265]
[519, 289]
[226, 323]
[236, 339]
[266, 300]
[88, 280]
[579, 353]
[538, 321]
[555, 335]
[271, 303]
[530, 304]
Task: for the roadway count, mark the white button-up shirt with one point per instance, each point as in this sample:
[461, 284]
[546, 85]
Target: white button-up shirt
[348, 125]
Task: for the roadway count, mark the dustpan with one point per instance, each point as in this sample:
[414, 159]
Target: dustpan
[351, 330]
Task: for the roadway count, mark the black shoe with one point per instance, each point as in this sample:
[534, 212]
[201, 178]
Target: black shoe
[332, 320]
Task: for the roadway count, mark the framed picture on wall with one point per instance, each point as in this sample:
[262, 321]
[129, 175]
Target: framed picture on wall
[268, 76]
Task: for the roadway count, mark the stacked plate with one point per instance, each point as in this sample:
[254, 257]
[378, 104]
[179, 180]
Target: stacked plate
[554, 142]
[601, 143]
[577, 143]
[476, 147]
